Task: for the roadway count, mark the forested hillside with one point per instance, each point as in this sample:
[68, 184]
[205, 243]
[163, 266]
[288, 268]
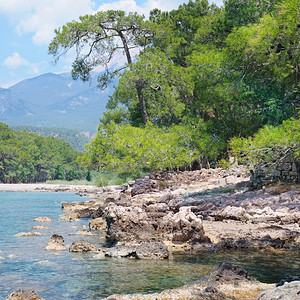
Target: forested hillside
[204, 75]
[75, 138]
[27, 157]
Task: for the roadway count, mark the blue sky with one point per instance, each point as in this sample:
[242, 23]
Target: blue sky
[26, 29]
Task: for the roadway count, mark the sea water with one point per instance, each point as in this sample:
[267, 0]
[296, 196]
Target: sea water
[25, 264]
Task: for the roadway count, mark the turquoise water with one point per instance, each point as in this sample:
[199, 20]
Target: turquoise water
[63, 275]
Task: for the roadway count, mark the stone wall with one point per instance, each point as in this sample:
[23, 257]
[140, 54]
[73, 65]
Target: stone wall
[287, 171]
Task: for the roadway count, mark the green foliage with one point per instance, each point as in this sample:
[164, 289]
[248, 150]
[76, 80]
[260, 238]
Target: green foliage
[27, 157]
[270, 145]
[165, 88]
[129, 149]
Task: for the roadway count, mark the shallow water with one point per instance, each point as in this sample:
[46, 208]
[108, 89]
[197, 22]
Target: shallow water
[63, 275]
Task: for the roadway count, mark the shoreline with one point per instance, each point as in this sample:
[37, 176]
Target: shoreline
[44, 187]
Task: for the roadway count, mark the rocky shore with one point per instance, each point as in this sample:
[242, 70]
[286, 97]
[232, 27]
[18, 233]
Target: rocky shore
[164, 214]
[188, 212]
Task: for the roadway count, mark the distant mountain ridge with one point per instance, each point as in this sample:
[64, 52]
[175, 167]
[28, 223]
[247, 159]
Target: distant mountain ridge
[54, 100]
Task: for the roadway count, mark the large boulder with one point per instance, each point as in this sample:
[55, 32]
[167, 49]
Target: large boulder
[128, 224]
[82, 246]
[182, 227]
[23, 295]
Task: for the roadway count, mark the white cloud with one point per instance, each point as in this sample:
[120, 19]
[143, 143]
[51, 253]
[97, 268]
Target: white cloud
[42, 17]
[15, 60]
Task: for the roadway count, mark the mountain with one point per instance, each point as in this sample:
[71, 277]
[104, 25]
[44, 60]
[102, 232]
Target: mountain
[14, 107]
[54, 100]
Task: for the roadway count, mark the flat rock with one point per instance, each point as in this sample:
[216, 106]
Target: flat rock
[40, 227]
[43, 219]
[152, 250]
[24, 234]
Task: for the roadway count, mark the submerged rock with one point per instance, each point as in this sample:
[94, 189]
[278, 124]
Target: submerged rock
[234, 286]
[84, 232]
[24, 295]
[22, 234]
[151, 250]
[43, 219]
[82, 246]
[40, 227]
[56, 243]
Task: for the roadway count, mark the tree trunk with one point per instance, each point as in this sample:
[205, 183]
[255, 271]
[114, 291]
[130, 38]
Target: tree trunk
[139, 86]
[139, 89]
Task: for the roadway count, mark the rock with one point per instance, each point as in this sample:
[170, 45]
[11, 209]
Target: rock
[121, 251]
[56, 243]
[82, 246]
[182, 227]
[23, 295]
[70, 216]
[43, 219]
[128, 224]
[228, 272]
[22, 234]
[67, 206]
[152, 250]
[84, 232]
[100, 255]
[288, 291]
[144, 186]
[40, 227]
[98, 224]
[233, 213]
[287, 278]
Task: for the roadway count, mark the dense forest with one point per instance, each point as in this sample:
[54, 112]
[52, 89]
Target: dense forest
[74, 137]
[204, 75]
[28, 157]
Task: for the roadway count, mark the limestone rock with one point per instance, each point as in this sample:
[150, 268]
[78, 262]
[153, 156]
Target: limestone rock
[23, 295]
[98, 224]
[151, 250]
[228, 272]
[22, 234]
[82, 246]
[70, 216]
[40, 227]
[43, 219]
[183, 226]
[84, 232]
[288, 291]
[56, 243]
